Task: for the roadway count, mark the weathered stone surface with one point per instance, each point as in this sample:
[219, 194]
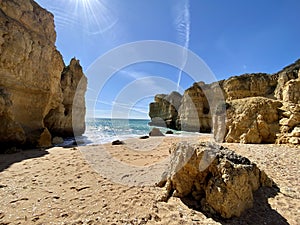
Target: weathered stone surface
[289, 124]
[291, 91]
[11, 132]
[220, 180]
[249, 85]
[68, 118]
[194, 111]
[204, 107]
[164, 110]
[156, 132]
[287, 74]
[252, 120]
[30, 71]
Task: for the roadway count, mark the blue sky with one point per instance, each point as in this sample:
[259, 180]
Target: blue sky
[231, 37]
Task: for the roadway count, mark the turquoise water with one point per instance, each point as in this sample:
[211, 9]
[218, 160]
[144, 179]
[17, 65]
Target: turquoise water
[99, 131]
[106, 130]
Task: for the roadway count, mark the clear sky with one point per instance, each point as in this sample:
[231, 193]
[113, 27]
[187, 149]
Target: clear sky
[232, 37]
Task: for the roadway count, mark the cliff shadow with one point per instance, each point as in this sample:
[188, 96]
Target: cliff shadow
[260, 213]
[7, 159]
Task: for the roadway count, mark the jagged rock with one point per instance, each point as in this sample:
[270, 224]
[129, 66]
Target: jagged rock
[164, 111]
[30, 73]
[250, 85]
[291, 91]
[68, 118]
[156, 132]
[296, 132]
[294, 140]
[252, 120]
[289, 124]
[221, 181]
[287, 74]
[169, 132]
[204, 107]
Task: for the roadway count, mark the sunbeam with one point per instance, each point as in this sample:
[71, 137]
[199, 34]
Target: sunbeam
[92, 16]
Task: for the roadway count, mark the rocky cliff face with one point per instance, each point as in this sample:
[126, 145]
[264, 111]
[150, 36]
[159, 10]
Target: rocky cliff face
[260, 108]
[197, 117]
[252, 120]
[164, 111]
[31, 83]
[67, 118]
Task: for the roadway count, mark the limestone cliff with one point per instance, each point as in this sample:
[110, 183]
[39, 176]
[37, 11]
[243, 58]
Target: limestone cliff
[31, 73]
[259, 107]
[68, 118]
[252, 120]
[164, 111]
[197, 117]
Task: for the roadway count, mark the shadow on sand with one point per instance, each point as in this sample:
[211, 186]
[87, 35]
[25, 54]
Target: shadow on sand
[261, 213]
[6, 160]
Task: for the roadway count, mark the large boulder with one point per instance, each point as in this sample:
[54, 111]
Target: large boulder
[31, 73]
[155, 132]
[221, 181]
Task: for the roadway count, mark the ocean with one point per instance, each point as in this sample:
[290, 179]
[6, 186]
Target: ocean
[100, 131]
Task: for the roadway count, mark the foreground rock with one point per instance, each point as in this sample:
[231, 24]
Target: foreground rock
[221, 181]
[35, 97]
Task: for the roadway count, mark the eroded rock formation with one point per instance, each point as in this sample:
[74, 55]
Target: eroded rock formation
[259, 108]
[252, 120]
[68, 118]
[194, 111]
[31, 83]
[221, 181]
[164, 111]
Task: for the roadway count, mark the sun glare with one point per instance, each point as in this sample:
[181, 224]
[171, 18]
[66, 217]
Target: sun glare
[93, 16]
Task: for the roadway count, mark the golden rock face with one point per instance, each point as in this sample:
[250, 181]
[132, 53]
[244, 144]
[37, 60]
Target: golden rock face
[221, 181]
[31, 71]
[254, 108]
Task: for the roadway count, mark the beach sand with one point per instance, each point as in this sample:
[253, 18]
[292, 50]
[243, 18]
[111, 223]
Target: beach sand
[108, 184]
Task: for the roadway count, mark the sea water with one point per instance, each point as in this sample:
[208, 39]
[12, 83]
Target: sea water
[100, 131]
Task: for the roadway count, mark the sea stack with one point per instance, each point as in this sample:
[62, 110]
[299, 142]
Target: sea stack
[36, 87]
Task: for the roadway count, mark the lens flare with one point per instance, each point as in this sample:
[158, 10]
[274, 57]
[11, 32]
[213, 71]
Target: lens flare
[92, 16]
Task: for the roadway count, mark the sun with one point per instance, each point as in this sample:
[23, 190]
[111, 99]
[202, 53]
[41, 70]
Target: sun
[94, 16]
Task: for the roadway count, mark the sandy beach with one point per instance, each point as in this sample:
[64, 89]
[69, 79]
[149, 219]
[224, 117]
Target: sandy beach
[114, 184]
